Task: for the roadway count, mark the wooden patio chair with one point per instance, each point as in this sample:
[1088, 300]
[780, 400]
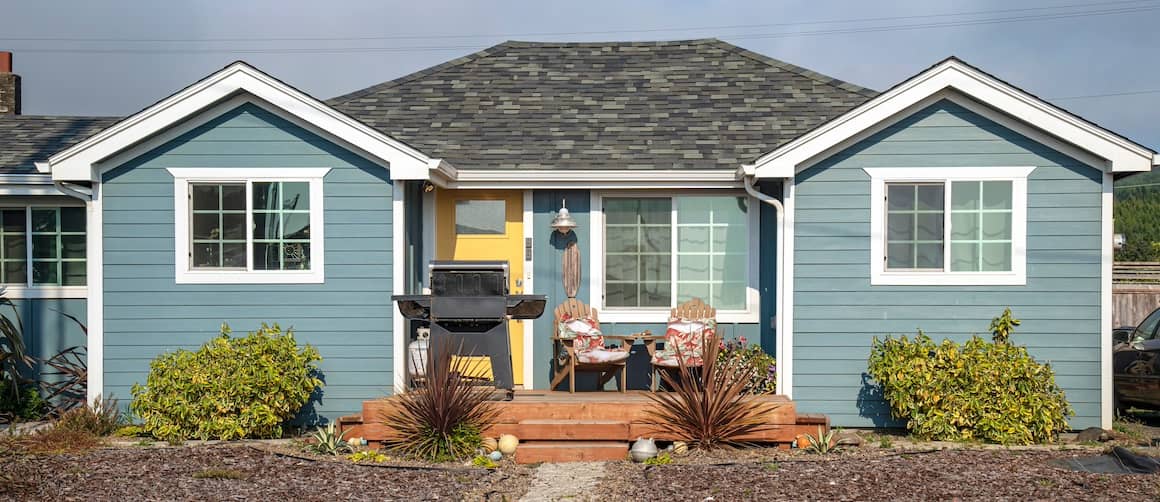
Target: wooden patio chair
[578, 333]
[691, 325]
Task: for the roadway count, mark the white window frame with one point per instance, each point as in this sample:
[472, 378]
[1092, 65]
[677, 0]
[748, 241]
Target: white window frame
[751, 314]
[185, 274]
[880, 176]
[28, 289]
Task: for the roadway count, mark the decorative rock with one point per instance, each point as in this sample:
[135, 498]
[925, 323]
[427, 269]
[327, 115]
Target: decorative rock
[508, 443]
[495, 455]
[643, 449]
[489, 445]
[1092, 435]
[680, 448]
[849, 439]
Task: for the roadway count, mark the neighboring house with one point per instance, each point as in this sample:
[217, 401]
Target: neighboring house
[813, 213]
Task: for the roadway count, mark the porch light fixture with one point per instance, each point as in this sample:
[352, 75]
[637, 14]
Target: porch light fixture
[563, 222]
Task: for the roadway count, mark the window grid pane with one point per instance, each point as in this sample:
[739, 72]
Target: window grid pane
[13, 247]
[712, 253]
[914, 221]
[53, 262]
[279, 246]
[640, 271]
[981, 222]
[217, 225]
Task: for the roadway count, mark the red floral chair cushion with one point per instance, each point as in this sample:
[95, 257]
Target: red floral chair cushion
[689, 336]
[588, 341]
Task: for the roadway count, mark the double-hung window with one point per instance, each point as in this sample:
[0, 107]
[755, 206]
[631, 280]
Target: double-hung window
[42, 247]
[948, 225]
[249, 226]
[658, 252]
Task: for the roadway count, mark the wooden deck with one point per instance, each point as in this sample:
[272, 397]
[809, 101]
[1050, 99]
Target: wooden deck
[558, 426]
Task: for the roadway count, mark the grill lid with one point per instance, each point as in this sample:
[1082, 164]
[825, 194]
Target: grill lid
[469, 278]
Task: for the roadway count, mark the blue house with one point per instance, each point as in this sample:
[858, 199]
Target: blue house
[814, 214]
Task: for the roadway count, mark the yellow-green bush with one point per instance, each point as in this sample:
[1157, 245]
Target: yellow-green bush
[231, 388]
[978, 390]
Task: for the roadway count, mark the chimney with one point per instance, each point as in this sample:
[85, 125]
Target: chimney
[9, 86]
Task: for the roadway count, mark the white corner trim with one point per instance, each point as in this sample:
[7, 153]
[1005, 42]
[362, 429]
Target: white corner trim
[785, 313]
[752, 312]
[185, 274]
[1107, 414]
[95, 306]
[1121, 155]
[76, 162]
[399, 335]
[529, 288]
[878, 179]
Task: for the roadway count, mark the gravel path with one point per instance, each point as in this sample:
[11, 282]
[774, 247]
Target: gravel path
[571, 481]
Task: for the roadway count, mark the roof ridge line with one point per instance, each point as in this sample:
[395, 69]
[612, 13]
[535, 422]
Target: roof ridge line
[805, 72]
[431, 70]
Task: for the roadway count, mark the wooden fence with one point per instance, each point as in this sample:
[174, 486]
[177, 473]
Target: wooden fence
[1135, 291]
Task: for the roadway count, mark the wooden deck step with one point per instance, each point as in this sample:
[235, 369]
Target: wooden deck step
[533, 452]
[556, 429]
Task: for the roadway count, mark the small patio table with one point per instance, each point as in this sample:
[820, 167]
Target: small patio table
[645, 338]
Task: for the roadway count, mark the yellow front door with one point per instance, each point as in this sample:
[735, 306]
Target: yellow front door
[486, 225]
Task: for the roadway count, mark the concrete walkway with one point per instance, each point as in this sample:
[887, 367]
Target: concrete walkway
[564, 481]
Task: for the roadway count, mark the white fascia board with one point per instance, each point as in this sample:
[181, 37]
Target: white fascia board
[635, 179]
[1120, 154]
[76, 163]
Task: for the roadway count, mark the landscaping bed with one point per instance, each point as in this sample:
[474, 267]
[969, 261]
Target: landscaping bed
[239, 471]
[986, 474]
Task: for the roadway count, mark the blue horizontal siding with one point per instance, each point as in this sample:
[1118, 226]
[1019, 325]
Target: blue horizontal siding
[348, 318]
[837, 312]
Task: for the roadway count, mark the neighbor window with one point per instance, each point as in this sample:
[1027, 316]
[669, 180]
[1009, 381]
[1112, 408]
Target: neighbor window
[968, 227]
[57, 253]
[257, 229]
[662, 251]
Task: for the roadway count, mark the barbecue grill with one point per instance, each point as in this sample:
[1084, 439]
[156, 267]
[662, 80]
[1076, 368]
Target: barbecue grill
[468, 309]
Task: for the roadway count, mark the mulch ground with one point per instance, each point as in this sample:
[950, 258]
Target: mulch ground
[938, 475]
[207, 472]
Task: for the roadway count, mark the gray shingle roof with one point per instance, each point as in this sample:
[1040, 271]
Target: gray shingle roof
[694, 104]
[26, 139]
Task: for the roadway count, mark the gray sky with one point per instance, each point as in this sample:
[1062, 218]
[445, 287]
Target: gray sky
[116, 57]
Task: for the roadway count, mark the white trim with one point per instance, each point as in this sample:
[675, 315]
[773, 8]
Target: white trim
[95, 306]
[878, 179]
[28, 184]
[638, 179]
[42, 292]
[184, 274]
[1120, 154]
[1106, 256]
[785, 313]
[529, 288]
[752, 312]
[398, 284]
[428, 230]
[76, 163]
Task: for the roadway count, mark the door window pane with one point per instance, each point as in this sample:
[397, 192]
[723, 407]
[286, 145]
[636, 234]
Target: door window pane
[914, 225]
[480, 217]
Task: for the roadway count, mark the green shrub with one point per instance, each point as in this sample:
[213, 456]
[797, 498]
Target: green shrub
[231, 388]
[978, 390]
[25, 404]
